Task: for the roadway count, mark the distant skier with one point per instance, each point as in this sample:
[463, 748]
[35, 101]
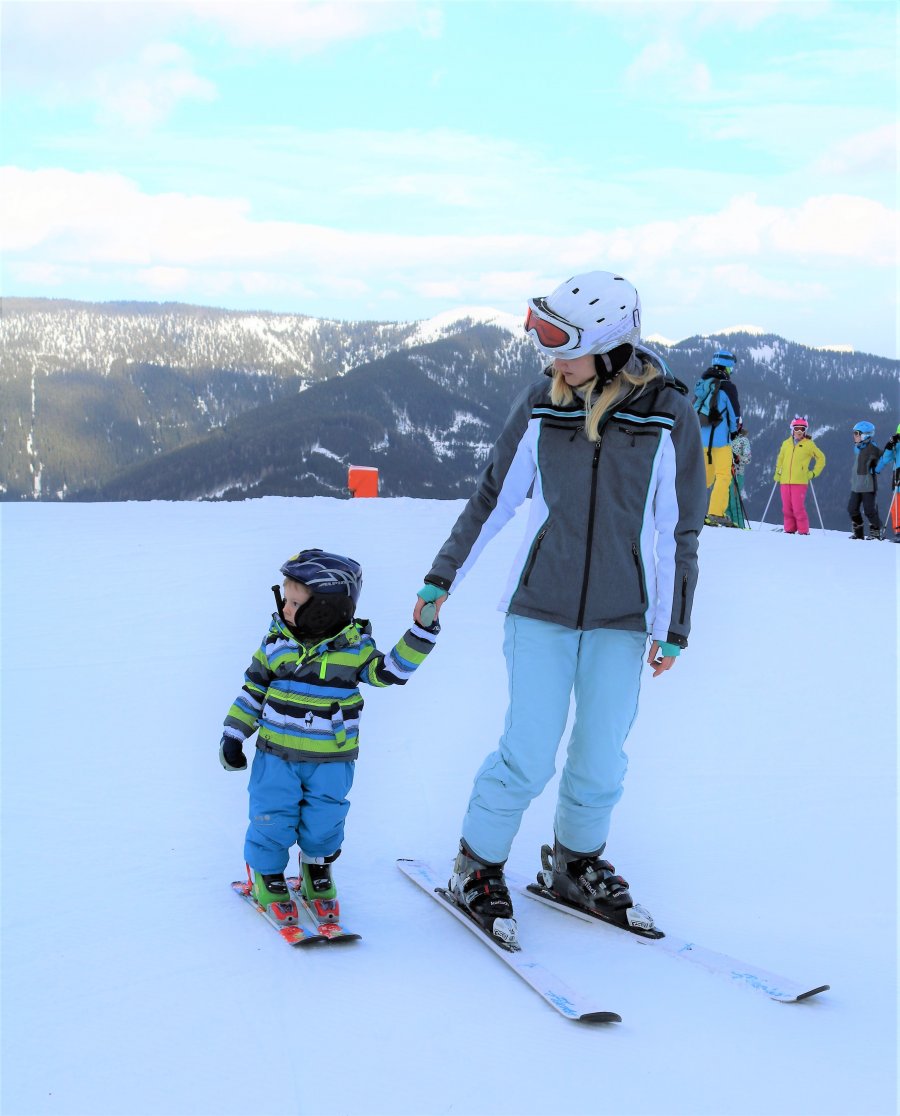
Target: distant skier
[610, 557]
[863, 483]
[301, 692]
[719, 410]
[799, 461]
[891, 456]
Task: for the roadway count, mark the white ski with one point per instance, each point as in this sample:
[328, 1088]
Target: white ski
[783, 989]
[554, 991]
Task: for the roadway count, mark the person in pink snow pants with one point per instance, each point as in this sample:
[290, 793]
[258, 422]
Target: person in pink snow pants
[799, 461]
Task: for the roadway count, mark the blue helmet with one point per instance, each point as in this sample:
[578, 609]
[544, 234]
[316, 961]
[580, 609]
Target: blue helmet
[866, 430]
[325, 574]
[724, 359]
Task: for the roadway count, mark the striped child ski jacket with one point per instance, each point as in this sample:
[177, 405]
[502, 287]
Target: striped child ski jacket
[304, 698]
[612, 533]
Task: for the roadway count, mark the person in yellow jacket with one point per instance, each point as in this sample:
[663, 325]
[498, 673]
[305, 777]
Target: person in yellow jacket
[799, 461]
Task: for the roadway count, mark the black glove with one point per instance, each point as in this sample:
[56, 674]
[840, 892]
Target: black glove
[231, 754]
[892, 441]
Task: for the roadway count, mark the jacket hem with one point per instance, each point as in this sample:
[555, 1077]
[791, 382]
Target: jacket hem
[297, 755]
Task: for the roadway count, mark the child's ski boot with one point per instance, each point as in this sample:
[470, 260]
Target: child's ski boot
[272, 894]
[317, 887]
[857, 526]
[585, 880]
[480, 889]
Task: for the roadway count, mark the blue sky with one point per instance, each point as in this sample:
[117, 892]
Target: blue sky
[736, 161]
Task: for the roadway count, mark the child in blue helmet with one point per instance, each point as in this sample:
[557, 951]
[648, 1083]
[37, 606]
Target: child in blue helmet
[863, 483]
[301, 696]
[891, 456]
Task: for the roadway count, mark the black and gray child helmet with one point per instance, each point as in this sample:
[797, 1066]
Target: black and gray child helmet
[325, 573]
[335, 583]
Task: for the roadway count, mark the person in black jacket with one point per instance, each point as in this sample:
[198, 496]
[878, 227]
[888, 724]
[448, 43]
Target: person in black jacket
[863, 483]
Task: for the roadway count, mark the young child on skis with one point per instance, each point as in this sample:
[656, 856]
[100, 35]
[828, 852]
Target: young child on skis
[741, 456]
[864, 483]
[799, 461]
[891, 456]
[301, 692]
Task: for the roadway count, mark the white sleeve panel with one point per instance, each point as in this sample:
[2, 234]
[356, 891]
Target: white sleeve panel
[513, 491]
[666, 515]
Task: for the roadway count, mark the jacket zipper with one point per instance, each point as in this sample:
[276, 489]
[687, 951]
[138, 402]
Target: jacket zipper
[683, 598]
[534, 554]
[590, 535]
[640, 572]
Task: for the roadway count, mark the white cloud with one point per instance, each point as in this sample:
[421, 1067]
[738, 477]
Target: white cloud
[308, 26]
[665, 64]
[106, 218]
[873, 151]
[74, 231]
[744, 15]
[142, 94]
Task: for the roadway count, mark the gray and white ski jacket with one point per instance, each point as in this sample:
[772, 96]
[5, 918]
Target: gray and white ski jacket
[612, 533]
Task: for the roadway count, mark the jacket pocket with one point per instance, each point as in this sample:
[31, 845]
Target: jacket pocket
[532, 557]
[640, 572]
[631, 433]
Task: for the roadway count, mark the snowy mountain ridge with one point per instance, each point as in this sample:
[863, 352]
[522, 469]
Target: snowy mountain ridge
[160, 401]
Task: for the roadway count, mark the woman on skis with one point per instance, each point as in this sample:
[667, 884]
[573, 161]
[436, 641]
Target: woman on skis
[608, 445]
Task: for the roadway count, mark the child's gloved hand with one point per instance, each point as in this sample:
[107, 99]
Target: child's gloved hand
[431, 597]
[231, 754]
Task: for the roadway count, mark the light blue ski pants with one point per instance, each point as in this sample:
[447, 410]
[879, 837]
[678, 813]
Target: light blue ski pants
[295, 803]
[546, 663]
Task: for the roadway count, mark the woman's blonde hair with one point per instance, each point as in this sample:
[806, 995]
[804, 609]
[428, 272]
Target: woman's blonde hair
[610, 395]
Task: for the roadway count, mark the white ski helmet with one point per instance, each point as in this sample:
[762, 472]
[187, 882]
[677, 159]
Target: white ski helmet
[587, 314]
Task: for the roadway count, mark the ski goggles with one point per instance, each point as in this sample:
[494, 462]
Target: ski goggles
[552, 331]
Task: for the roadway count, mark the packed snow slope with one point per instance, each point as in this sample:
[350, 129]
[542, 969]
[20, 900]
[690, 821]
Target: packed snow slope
[759, 819]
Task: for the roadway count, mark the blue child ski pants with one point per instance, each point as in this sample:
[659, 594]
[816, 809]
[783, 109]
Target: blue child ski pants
[546, 664]
[291, 803]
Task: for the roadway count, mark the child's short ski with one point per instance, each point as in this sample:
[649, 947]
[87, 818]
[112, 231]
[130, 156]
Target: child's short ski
[327, 926]
[556, 993]
[776, 987]
[291, 932]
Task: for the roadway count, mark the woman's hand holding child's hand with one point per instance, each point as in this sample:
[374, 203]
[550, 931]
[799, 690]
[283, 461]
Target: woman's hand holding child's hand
[429, 600]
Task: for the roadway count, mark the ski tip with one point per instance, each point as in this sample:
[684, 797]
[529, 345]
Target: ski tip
[813, 992]
[599, 1017]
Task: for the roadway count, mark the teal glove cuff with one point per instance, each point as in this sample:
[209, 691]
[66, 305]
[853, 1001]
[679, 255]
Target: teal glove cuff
[431, 593]
[669, 650]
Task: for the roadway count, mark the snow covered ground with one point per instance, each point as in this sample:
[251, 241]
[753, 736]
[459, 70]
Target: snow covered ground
[759, 818]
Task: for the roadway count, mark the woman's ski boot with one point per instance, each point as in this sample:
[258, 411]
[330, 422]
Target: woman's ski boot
[479, 888]
[584, 880]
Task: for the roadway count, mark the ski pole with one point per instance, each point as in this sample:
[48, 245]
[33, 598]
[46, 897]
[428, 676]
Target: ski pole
[816, 501]
[769, 501]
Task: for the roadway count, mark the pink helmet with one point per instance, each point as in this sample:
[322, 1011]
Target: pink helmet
[799, 422]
